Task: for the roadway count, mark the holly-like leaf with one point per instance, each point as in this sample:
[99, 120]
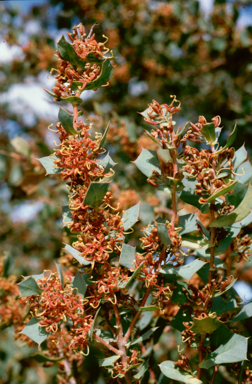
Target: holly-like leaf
[109, 361]
[66, 121]
[145, 336]
[245, 313]
[147, 162]
[233, 350]
[107, 163]
[230, 140]
[103, 78]
[35, 332]
[238, 214]
[141, 371]
[186, 271]
[95, 194]
[183, 316]
[163, 234]
[48, 164]
[68, 53]
[130, 216]
[79, 283]
[76, 255]
[175, 373]
[66, 213]
[127, 256]
[70, 99]
[29, 287]
[208, 131]
[221, 191]
[206, 325]
[240, 156]
[233, 232]
[134, 275]
[104, 137]
[60, 273]
[244, 172]
[188, 223]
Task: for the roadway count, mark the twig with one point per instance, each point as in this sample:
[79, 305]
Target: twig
[110, 347]
[214, 374]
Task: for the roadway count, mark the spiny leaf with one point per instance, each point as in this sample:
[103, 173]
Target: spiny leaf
[35, 332]
[130, 216]
[141, 370]
[238, 214]
[59, 270]
[230, 140]
[109, 361]
[95, 194]
[66, 213]
[145, 336]
[222, 191]
[206, 325]
[208, 131]
[107, 163]
[104, 137]
[163, 234]
[79, 283]
[68, 53]
[76, 255]
[245, 313]
[147, 162]
[188, 223]
[29, 287]
[127, 256]
[48, 164]
[66, 121]
[170, 370]
[234, 349]
[103, 78]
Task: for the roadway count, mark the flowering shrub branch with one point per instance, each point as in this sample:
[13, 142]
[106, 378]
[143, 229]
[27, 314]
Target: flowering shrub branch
[108, 301]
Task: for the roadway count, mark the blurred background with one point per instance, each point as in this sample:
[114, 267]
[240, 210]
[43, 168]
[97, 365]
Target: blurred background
[200, 51]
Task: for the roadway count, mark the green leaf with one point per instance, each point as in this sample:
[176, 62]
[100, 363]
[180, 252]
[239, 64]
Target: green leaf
[127, 256]
[104, 137]
[103, 78]
[188, 195]
[230, 140]
[147, 162]
[238, 194]
[141, 371]
[66, 121]
[95, 194]
[144, 320]
[240, 156]
[134, 275]
[107, 163]
[109, 361]
[21, 146]
[219, 293]
[145, 336]
[35, 332]
[163, 234]
[245, 313]
[70, 99]
[234, 349]
[183, 316]
[91, 331]
[8, 265]
[68, 53]
[244, 172]
[233, 232]
[170, 370]
[149, 308]
[130, 216]
[188, 223]
[79, 283]
[60, 274]
[238, 214]
[29, 287]
[206, 325]
[178, 296]
[76, 255]
[208, 131]
[48, 164]
[66, 213]
[186, 271]
[221, 191]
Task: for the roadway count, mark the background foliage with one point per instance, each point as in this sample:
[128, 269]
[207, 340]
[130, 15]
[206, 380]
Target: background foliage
[162, 48]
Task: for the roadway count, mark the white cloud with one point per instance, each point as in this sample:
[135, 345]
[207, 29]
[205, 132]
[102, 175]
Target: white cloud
[9, 53]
